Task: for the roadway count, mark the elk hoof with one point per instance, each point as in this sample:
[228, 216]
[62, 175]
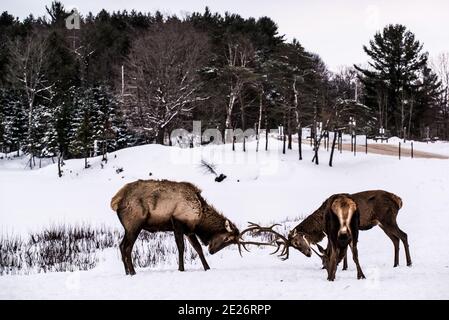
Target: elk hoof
[361, 276]
[132, 273]
[181, 269]
[206, 268]
[396, 265]
[409, 264]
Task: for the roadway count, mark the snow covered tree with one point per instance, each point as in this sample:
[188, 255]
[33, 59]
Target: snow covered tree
[13, 120]
[27, 71]
[108, 127]
[97, 126]
[82, 129]
[162, 73]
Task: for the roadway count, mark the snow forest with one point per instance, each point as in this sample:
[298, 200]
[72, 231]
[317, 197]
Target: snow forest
[129, 78]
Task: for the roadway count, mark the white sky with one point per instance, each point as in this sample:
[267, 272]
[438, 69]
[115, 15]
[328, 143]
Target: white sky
[336, 30]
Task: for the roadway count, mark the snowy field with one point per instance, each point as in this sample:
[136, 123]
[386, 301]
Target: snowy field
[262, 187]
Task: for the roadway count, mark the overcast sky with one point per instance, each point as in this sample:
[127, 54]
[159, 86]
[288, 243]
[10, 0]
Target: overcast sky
[336, 30]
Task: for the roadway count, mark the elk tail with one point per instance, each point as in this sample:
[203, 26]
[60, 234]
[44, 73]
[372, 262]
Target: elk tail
[115, 202]
[397, 200]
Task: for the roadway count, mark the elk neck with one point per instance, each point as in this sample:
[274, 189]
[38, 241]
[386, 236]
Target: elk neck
[210, 224]
[313, 226]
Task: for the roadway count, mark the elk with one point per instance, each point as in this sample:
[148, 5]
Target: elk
[162, 205]
[376, 207]
[341, 219]
[341, 224]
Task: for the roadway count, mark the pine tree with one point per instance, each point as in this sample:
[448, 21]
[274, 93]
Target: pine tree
[13, 120]
[424, 109]
[396, 60]
[82, 129]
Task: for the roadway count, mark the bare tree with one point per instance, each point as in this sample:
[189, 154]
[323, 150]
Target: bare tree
[27, 72]
[239, 55]
[162, 75]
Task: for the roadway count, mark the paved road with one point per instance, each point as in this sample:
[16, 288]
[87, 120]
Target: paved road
[391, 150]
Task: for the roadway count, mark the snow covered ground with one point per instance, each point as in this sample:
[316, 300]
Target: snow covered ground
[262, 187]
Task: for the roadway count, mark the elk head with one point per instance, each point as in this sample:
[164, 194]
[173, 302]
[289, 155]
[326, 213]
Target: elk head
[299, 241]
[324, 256]
[229, 235]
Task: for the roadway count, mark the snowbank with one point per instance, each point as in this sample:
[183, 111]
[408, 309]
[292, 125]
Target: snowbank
[261, 187]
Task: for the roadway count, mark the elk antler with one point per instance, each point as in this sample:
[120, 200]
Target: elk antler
[279, 241]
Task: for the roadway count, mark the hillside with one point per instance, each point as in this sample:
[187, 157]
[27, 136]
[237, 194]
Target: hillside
[262, 187]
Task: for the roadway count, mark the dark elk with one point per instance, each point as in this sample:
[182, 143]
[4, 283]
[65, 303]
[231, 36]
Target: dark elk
[164, 205]
[341, 220]
[377, 208]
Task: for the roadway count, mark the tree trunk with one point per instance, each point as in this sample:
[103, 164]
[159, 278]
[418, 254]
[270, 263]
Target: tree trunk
[242, 112]
[160, 136]
[331, 159]
[105, 157]
[300, 141]
[230, 107]
[60, 159]
[266, 129]
[289, 132]
[260, 119]
[284, 142]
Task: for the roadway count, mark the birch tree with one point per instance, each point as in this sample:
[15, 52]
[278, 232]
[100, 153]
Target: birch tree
[27, 71]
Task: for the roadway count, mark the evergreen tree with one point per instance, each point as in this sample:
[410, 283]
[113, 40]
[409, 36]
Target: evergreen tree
[396, 61]
[82, 129]
[424, 109]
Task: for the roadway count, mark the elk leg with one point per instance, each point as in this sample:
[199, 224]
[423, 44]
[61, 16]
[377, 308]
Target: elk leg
[179, 238]
[127, 244]
[345, 260]
[355, 257]
[404, 238]
[332, 268]
[122, 252]
[197, 246]
[395, 241]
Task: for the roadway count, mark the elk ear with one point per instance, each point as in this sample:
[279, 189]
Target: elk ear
[228, 226]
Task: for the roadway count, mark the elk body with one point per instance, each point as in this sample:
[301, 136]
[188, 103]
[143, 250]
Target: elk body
[377, 208]
[164, 205]
[341, 220]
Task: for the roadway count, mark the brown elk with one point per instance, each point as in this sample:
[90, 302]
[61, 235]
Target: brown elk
[164, 205]
[341, 220]
[341, 223]
[376, 207]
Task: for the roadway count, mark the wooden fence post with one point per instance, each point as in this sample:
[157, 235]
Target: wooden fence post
[283, 148]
